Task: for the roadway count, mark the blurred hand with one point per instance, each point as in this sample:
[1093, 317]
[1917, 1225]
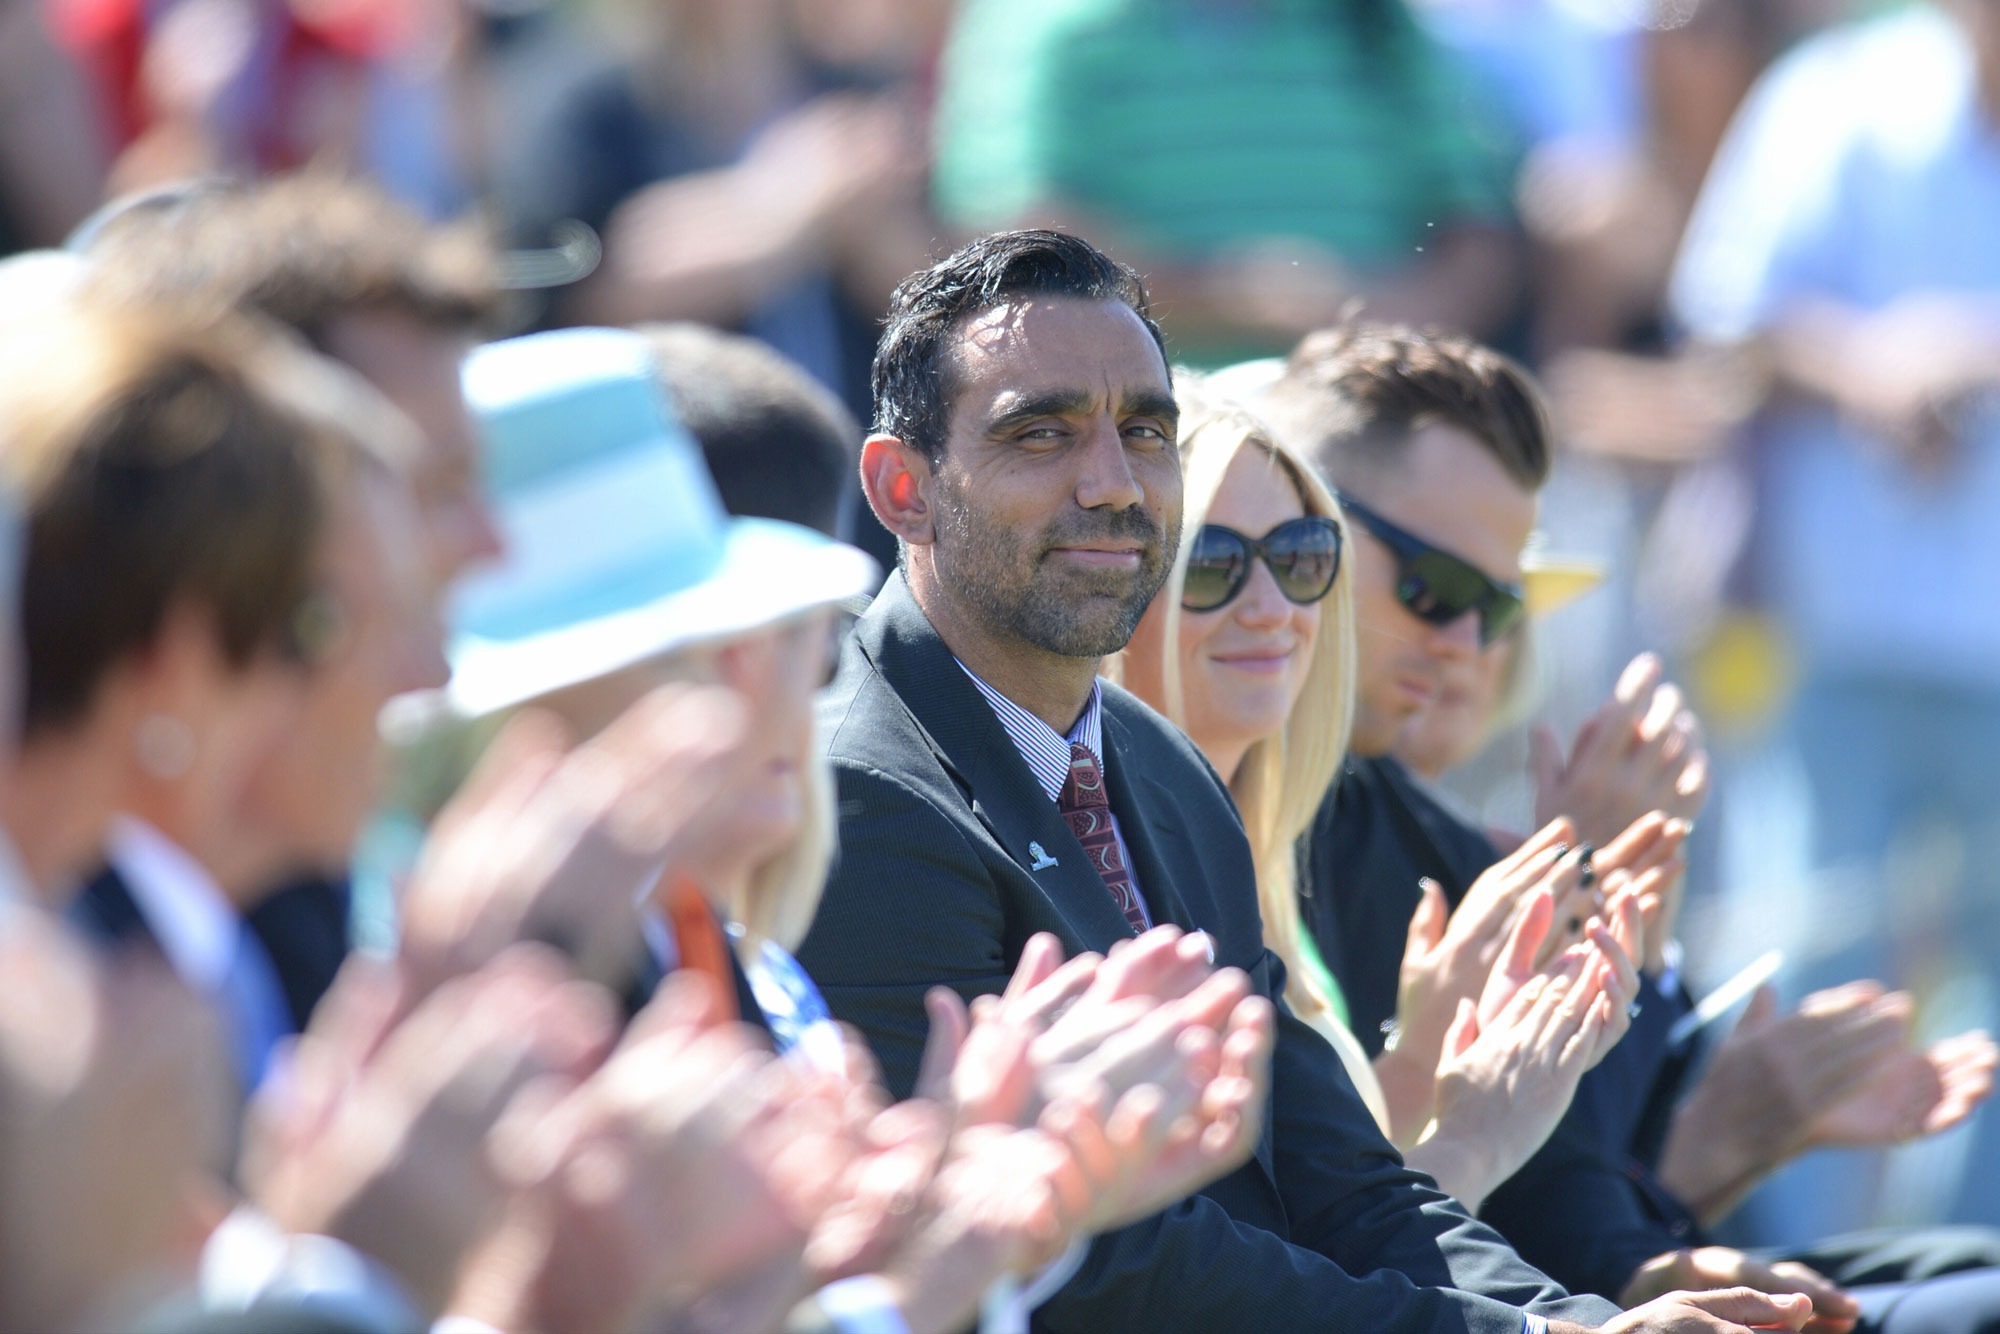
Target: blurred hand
[380, 1133]
[1707, 1268]
[1641, 752]
[553, 844]
[1775, 1080]
[833, 156]
[1724, 1311]
[692, 1162]
[1092, 1025]
[1912, 1094]
[114, 1095]
[1153, 1067]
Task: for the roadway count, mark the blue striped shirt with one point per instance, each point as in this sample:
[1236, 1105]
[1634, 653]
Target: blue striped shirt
[1048, 755]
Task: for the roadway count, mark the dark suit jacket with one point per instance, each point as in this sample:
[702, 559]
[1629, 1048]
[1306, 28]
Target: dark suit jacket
[1587, 1208]
[1324, 1229]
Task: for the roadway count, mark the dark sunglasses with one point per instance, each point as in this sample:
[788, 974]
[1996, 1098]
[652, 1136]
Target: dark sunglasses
[1436, 586]
[1302, 554]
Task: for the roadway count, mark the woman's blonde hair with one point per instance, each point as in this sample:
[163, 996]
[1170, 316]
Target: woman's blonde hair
[1284, 778]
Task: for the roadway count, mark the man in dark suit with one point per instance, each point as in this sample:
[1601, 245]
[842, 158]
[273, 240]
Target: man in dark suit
[990, 787]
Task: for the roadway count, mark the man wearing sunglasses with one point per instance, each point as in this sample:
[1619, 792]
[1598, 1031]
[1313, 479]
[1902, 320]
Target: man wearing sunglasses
[1437, 448]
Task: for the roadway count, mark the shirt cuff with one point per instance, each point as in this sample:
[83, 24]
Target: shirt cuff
[249, 1261]
[861, 1306]
[1533, 1324]
[1009, 1302]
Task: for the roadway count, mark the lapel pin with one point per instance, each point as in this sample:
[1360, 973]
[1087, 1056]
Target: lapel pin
[1042, 860]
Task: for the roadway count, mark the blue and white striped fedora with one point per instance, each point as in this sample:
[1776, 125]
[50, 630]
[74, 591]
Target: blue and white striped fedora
[618, 547]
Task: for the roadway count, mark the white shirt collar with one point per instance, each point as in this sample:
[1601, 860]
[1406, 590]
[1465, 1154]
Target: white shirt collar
[1045, 749]
[196, 925]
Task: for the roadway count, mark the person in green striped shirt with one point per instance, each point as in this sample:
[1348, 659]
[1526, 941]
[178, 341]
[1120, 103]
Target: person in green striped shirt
[1264, 162]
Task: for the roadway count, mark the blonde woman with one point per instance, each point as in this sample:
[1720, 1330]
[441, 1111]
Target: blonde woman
[1250, 648]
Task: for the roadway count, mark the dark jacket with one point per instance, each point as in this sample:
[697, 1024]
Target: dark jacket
[1324, 1228]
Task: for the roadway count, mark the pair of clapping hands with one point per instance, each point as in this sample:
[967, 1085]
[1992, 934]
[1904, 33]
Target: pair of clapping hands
[472, 1117]
[511, 1162]
[1504, 1004]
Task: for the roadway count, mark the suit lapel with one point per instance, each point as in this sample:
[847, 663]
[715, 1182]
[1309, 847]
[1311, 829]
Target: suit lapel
[976, 750]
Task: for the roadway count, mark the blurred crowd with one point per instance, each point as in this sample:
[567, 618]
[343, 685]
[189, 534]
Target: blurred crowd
[595, 591]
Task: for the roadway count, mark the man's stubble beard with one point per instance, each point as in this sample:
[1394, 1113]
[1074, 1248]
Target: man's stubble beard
[1012, 589]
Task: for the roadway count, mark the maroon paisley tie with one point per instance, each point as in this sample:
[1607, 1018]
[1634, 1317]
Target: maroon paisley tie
[1085, 806]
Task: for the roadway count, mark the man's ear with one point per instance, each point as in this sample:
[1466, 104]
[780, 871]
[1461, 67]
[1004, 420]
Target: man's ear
[896, 477]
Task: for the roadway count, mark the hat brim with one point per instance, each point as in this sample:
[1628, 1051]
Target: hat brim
[1550, 583]
[769, 571]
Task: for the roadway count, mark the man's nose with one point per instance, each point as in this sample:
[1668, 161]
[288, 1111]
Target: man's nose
[1457, 640]
[1105, 479]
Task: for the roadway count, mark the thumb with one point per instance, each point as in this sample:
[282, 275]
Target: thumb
[1427, 923]
[949, 1026]
[1464, 1030]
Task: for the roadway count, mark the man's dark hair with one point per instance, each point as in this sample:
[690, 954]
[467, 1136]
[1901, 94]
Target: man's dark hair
[1353, 395]
[912, 385]
[779, 443]
[302, 250]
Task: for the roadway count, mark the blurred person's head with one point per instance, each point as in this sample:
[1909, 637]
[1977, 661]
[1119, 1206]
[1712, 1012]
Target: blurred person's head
[1255, 668]
[664, 587]
[172, 479]
[362, 279]
[378, 636]
[779, 444]
[1437, 447]
[1024, 445]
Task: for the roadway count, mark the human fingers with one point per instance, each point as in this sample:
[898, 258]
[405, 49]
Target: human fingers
[1634, 842]
[1039, 959]
[1464, 1030]
[1663, 708]
[1965, 1068]
[1748, 1308]
[1573, 886]
[1847, 997]
[1427, 923]
[1611, 945]
[686, 1003]
[1165, 963]
[1247, 1044]
[949, 1024]
[1530, 931]
[1045, 1002]
[1829, 1302]
[1560, 831]
[1637, 682]
[1692, 785]
[531, 742]
[1215, 1000]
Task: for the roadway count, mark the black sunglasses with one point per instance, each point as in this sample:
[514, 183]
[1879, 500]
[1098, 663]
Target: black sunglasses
[1302, 554]
[1436, 586]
